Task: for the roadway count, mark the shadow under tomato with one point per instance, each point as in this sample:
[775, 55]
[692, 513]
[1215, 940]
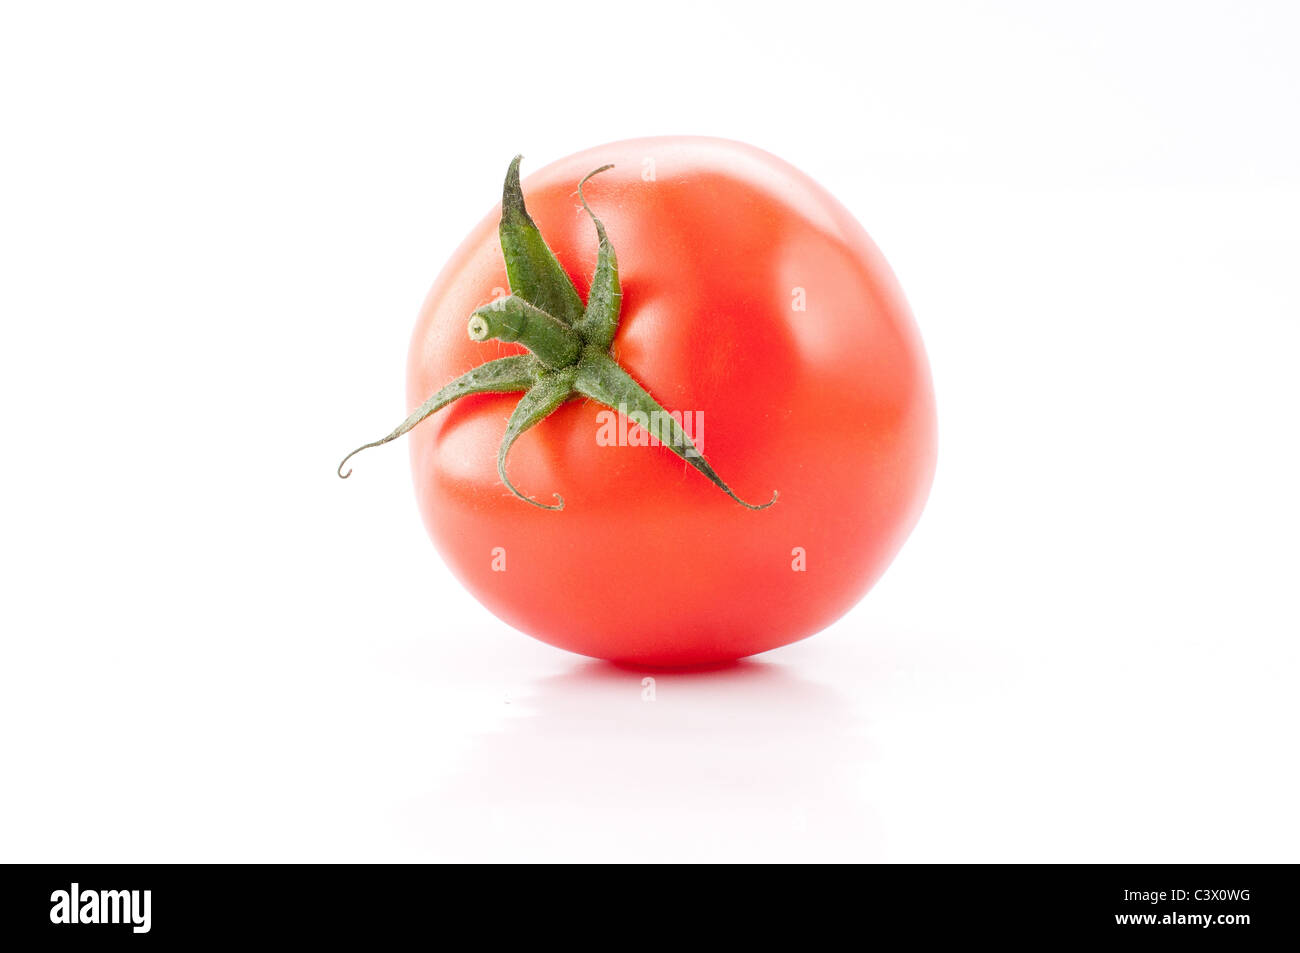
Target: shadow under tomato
[745, 760]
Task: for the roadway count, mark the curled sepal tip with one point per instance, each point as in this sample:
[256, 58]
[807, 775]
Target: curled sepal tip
[600, 229]
[558, 505]
[364, 446]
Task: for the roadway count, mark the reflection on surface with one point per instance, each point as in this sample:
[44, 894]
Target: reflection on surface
[746, 760]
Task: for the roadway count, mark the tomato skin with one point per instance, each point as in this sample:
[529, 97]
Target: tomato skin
[832, 406]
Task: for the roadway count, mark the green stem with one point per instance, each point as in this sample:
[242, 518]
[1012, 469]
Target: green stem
[514, 319]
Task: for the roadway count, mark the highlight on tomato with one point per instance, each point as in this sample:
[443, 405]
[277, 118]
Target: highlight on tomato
[704, 445]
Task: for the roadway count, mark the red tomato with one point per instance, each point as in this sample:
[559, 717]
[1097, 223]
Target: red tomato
[752, 298]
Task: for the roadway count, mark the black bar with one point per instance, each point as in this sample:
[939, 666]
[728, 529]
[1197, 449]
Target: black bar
[369, 905]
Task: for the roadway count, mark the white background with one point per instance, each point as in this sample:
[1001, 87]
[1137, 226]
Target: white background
[217, 222]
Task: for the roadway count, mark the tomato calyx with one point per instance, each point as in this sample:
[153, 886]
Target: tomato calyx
[569, 345]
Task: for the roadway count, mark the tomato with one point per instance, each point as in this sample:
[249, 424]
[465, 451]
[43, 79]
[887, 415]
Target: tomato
[755, 304]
